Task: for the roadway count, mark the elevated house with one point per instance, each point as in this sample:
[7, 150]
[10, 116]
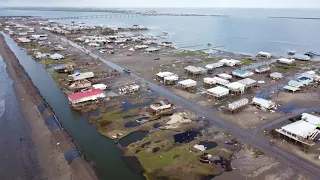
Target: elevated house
[303, 131]
[80, 76]
[209, 82]
[286, 61]
[126, 89]
[85, 96]
[276, 75]
[263, 103]
[220, 81]
[248, 83]
[262, 69]
[195, 71]
[301, 57]
[291, 89]
[218, 92]
[159, 107]
[171, 80]
[188, 84]
[296, 84]
[264, 54]
[242, 73]
[211, 67]
[236, 87]
[225, 76]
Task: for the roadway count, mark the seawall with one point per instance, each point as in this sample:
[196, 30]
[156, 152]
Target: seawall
[55, 148]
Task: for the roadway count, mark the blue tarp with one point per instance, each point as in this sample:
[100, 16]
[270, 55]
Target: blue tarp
[71, 155]
[52, 123]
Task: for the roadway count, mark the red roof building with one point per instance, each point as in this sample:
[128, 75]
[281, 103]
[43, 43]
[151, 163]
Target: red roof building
[90, 95]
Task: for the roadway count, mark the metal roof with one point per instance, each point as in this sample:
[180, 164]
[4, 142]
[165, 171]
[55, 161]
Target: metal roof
[315, 120]
[300, 128]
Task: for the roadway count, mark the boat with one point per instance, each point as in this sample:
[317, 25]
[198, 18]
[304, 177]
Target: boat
[291, 53]
[209, 44]
[2, 107]
[165, 32]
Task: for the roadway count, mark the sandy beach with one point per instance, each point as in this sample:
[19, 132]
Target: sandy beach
[51, 160]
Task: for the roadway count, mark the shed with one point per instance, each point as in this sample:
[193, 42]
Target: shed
[248, 83]
[276, 75]
[315, 120]
[188, 83]
[264, 103]
[56, 56]
[236, 87]
[218, 92]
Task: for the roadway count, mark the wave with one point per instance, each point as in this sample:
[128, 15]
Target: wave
[2, 107]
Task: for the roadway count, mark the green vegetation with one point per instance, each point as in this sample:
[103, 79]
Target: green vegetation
[117, 114]
[57, 76]
[47, 61]
[211, 59]
[285, 69]
[246, 61]
[190, 53]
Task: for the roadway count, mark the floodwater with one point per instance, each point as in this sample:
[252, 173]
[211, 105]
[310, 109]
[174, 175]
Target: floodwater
[133, 137]
[18, 158]
[97, 148]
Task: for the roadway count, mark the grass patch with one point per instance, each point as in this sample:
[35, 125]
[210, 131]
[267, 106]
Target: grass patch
[246, 61]
[178, 156]
[285, 69]
[190, 53]
[57, 77]
[117, 114]
[47, 61]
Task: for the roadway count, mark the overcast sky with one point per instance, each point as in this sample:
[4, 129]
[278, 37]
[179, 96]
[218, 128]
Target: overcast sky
[167, 3]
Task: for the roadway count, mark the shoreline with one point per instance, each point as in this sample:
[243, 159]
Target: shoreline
[54, 147]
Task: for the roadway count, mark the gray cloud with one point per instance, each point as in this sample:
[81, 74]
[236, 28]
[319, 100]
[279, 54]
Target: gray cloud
[167, 3]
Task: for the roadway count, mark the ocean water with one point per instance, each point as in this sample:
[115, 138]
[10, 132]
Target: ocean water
[246, 30]
[18, 155]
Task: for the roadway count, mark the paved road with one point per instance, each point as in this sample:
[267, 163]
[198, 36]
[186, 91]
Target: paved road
[257, 141]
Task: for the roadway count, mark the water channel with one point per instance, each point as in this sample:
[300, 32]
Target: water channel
[97, 148]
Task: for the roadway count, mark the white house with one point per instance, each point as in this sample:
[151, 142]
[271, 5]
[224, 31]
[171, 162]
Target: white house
[225, 76]
[81, 76]
[285, 61]
[264, 54]
[218, 92]
[236, 87]
[188, 83]
[214, 65]
[24, 40]
[264, 104]
[221, 81]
